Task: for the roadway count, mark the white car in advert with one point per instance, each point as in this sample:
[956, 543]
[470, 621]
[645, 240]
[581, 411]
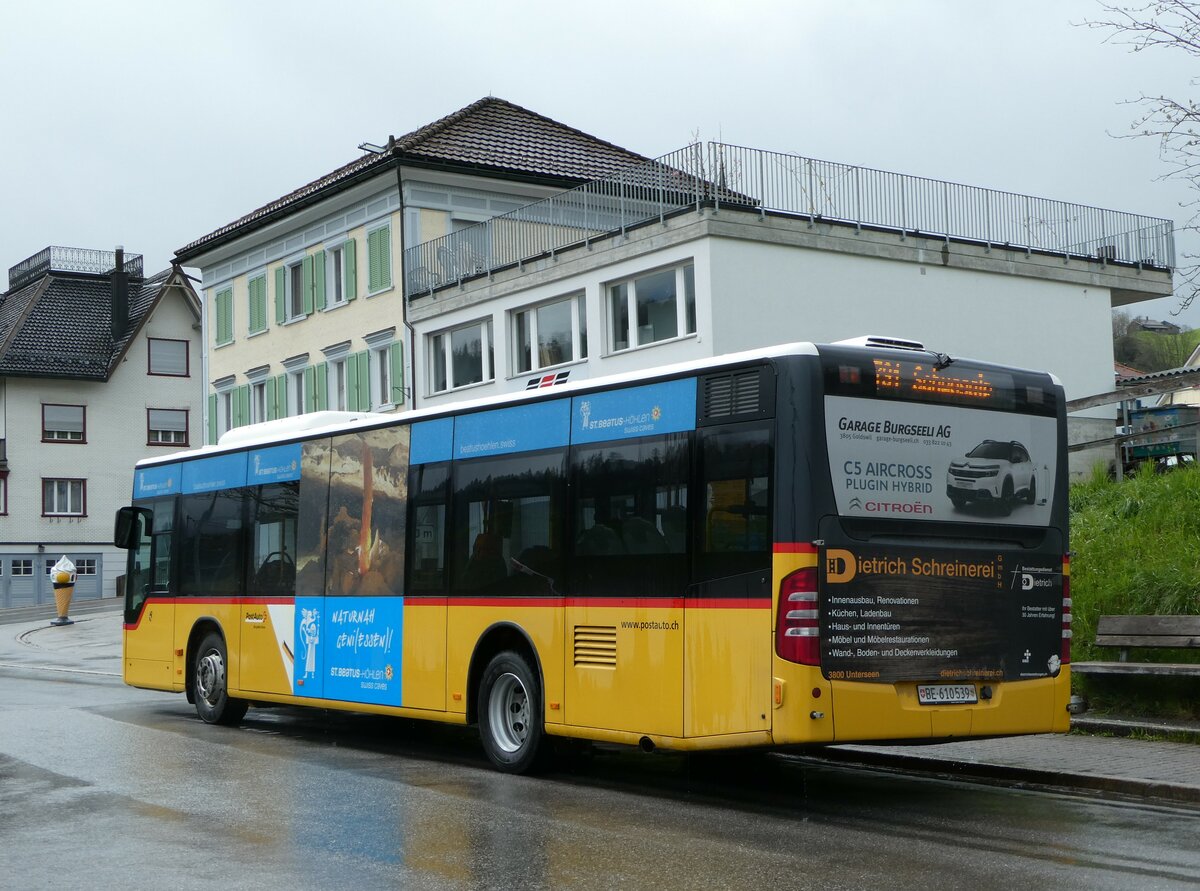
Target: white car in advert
[993, 471]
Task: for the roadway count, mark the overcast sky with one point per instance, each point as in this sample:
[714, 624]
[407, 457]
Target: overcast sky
[149, 124]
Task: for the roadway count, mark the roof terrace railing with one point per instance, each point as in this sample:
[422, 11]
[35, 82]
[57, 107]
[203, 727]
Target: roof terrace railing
[721, 175]
[69, 259]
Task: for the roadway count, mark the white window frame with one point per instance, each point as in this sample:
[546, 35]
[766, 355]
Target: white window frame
[632, 333]
[74, 506]
[335, 276]
[339, 395]
[447, 359]
[85, 566]
[22, 567]
[224, 411]
[579, 350]
[258, 401]
[294, 390]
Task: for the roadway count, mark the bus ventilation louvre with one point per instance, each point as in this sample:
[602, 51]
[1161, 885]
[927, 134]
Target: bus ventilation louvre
[797, 639]
[730, 395]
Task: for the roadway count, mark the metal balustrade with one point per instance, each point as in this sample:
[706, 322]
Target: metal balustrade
[720, 175]
[69, 259]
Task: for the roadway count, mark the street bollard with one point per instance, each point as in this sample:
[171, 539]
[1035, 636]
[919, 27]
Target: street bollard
[63, 576]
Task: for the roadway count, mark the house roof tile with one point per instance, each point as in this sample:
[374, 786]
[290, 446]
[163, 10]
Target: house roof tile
[489, 135]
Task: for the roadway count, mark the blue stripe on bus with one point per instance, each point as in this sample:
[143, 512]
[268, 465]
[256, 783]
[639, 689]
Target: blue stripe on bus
[151, 482]
[522, 428]
[217, 472]
[431, 441]
[274, 465]
[635, 411]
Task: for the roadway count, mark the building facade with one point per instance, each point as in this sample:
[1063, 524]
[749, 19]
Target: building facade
[98, 369]
[502, 283]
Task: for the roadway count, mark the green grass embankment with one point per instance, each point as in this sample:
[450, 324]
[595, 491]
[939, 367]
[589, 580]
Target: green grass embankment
[1136, 550]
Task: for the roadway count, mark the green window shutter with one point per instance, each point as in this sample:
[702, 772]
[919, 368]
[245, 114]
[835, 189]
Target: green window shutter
[321, 376]
[319, 280]
[350, 265]
[352, 384]
[212, 418]
[379, 261]
[281, 406]
[242, 401]
[224, 307]
[306, 283]
[396, 360]
[363, 360]
[257, 305]
[280, 295]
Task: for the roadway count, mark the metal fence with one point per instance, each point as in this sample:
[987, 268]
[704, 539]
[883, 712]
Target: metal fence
[721, 175]
[69, 259]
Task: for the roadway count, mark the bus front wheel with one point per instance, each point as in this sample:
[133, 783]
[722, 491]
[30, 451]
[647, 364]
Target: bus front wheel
[510, 713]
[210, 683]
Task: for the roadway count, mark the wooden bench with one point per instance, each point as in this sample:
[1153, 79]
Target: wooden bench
[1170, 632]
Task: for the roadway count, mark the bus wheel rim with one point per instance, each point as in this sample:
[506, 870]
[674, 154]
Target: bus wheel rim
[210, 677]
[508, 710]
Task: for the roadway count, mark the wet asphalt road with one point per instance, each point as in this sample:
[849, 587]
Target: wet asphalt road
[102, 786]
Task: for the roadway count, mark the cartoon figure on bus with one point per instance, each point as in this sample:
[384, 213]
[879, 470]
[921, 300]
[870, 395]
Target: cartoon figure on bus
[310, 636]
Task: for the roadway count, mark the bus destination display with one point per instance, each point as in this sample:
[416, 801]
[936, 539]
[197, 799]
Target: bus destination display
[894, 614]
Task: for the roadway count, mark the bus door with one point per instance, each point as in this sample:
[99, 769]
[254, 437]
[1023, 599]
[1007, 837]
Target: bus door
[267, 612]
[727, 682]
[149, 606]
[629, 570]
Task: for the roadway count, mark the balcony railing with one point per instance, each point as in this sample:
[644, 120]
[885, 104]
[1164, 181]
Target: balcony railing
[69, 259]
[721, 175]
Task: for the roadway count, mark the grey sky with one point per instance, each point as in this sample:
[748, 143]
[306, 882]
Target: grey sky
[149, 124]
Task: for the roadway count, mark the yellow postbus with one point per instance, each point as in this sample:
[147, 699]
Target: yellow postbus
[799, 545]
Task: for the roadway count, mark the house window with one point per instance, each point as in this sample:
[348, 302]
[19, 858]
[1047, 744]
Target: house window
[63, 423]
[295, 392]
[335, 276]
[337, 380]
[462, 356]
[651, 308]
[256, 310]
[64, 498]
[224, 412]
[22, 567]
[258, 402]
[381, 379]
[295, 291]
[167, 426]
[550, 335]
[379, 259]
[3, 492]
[85, 566]
[169, 357]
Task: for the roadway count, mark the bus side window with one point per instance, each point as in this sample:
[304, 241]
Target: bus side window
[735, 531]
[508, 524]
[213, 550]
[428, 494]
[630, 500]
[273, 517]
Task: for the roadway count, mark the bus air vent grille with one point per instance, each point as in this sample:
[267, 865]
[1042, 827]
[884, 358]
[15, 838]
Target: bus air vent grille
[596, 645]
[739, 393]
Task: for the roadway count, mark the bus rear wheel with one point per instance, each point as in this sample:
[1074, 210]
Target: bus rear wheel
[510, 713]
[210, 683]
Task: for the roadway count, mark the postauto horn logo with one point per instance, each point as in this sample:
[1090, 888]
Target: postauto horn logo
[840, 566]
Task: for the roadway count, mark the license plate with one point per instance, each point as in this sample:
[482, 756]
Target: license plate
[946, 694]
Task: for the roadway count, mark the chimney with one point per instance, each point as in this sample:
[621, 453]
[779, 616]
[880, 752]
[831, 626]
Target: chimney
[120, 296]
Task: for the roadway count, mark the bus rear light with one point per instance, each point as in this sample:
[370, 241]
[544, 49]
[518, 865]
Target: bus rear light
[798, 635]
[1065, 653]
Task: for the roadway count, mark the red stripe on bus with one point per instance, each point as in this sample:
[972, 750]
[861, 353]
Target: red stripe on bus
[794, 547]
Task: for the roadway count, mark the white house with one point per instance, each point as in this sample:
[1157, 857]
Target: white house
[98, 368]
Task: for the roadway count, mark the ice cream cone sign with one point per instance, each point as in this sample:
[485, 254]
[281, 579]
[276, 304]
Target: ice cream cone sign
[62, 574]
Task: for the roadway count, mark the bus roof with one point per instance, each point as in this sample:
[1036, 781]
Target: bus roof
[316, 424]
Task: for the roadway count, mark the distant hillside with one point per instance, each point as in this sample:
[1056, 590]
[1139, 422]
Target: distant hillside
[1148, 352]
